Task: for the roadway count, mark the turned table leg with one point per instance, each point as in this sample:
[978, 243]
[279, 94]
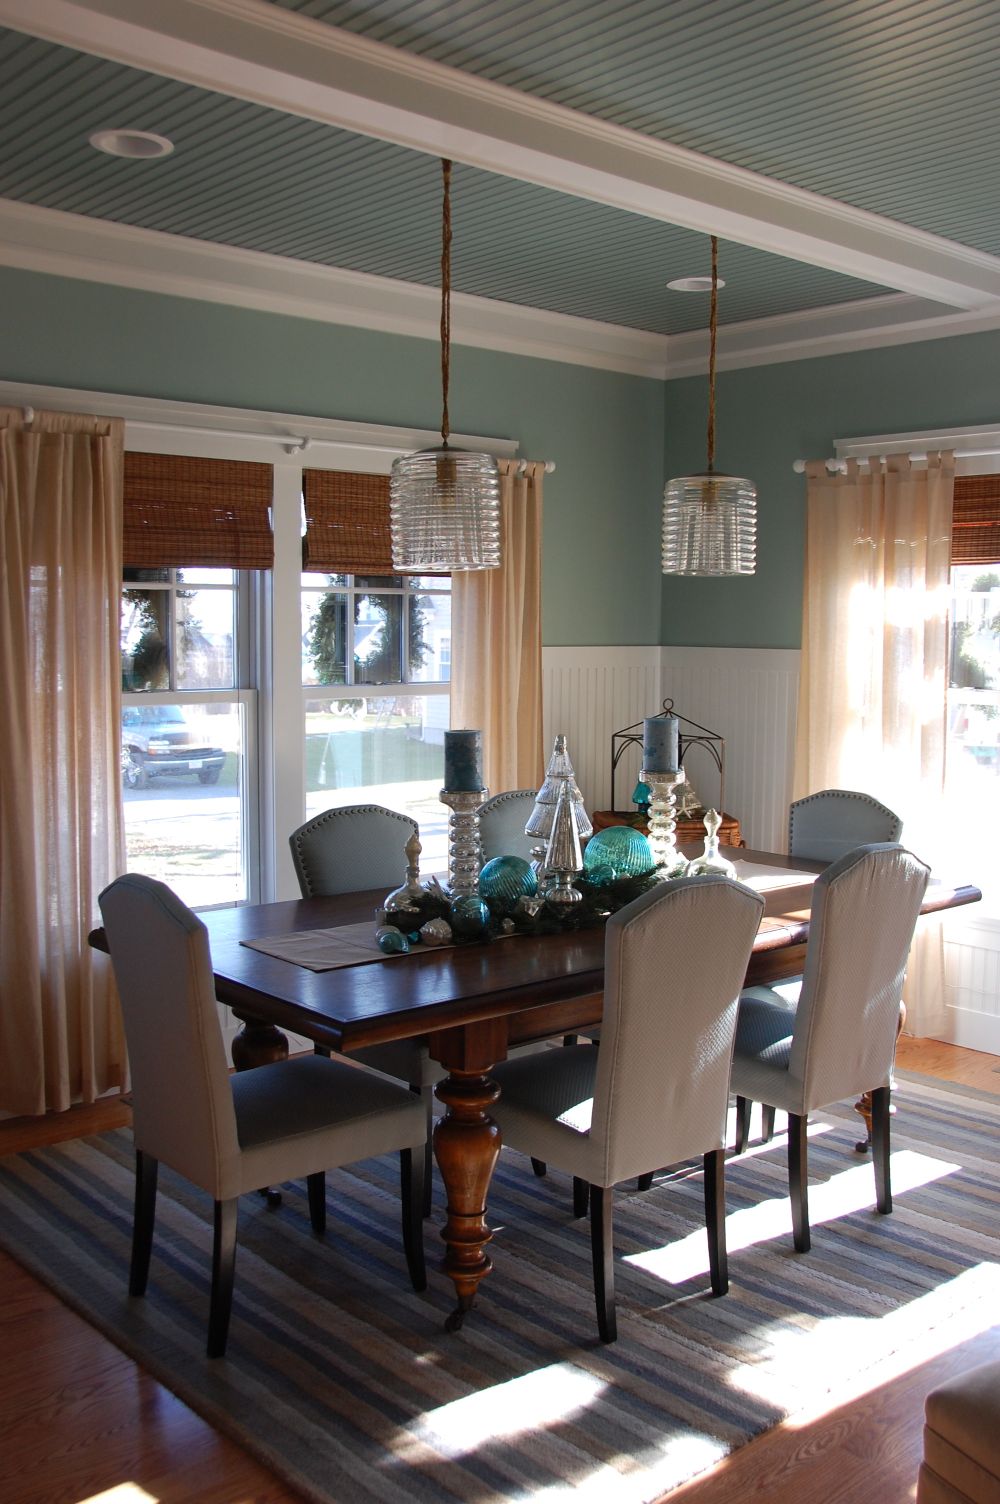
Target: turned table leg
[467, 1145]
[257, 1043]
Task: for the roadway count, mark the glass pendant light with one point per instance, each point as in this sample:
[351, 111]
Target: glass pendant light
[444, 503]
[710, 520]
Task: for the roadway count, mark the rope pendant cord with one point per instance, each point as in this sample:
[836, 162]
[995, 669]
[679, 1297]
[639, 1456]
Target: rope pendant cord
[712, 326]
[445, 298]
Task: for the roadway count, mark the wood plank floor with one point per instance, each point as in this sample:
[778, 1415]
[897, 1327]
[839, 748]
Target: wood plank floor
[79, 1420]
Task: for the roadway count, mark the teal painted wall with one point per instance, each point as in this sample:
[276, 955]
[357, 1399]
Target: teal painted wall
[770, 416]
[604, 431]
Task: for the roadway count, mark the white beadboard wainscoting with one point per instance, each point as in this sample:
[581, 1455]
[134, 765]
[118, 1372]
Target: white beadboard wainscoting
[747, 695]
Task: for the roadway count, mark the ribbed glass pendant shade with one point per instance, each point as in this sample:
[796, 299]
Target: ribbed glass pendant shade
[444, 511]
[709, 525]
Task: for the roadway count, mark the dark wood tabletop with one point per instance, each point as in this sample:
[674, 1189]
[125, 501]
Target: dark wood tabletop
[433, 989]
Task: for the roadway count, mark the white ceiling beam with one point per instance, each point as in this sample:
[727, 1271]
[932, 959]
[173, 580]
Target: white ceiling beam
[256, 51]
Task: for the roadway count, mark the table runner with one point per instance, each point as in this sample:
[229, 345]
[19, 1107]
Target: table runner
[324, 950]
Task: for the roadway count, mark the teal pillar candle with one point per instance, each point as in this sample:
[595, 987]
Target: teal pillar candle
[463, 761]
[660, 744]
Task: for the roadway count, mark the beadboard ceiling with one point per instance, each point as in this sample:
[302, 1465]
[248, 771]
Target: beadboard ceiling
[844, 150]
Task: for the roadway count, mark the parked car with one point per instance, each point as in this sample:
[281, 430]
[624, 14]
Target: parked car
[162, 739]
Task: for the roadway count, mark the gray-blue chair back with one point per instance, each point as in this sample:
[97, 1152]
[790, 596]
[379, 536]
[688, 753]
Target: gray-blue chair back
[825, 826]
[350, 849]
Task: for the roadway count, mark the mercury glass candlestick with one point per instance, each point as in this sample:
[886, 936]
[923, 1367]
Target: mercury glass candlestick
[563, 856]
[663, 821]
[464, 849]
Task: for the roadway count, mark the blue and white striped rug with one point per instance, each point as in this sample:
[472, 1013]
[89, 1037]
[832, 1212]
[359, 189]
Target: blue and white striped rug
[343, 1380]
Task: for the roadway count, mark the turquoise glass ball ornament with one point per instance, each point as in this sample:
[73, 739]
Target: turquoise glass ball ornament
[508, 878]
[624, 850]
[601, 874]
[469, 917]
[391, 942]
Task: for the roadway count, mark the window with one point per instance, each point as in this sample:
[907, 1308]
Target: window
[185, 733]
[367, 641]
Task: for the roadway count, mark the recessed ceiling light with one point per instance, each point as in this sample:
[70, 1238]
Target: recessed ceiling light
[136, 144]
[693, 284]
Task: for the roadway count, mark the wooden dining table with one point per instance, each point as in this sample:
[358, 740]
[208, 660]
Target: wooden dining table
[471, 1003]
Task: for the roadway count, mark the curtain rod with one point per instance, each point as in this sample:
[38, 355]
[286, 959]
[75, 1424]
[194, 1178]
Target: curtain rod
[291, 443]
[835, 464]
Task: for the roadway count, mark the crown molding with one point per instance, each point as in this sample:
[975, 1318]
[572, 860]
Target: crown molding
[291, 63]
[866, 324]
[71, 245]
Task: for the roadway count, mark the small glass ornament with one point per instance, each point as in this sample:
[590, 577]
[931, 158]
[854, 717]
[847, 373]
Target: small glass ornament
[529, 908]
[711, 860]
[436, 932]
[391, 942]
[641, 795]
[508, 878]
[624, 850]
[405, 900]
[601, 875]
[470, 917]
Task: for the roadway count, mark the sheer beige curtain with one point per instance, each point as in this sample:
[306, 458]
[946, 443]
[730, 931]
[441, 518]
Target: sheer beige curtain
[872, 694]
[496, 634]
[61, 834]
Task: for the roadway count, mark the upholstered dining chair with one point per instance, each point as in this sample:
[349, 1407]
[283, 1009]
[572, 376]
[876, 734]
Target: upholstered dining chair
[347, 850]
[352, 848]
[824, 826]
[656, 1092]
[837, 1038]
[821, 828]
[502, 819]
[232, 1134]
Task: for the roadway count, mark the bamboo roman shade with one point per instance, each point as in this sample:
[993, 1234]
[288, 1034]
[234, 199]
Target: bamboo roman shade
[181, 511]
[975, 528]
[347, 523]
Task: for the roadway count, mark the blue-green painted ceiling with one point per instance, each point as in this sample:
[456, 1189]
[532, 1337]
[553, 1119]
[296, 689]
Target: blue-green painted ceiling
[247, 176]
[888, 105]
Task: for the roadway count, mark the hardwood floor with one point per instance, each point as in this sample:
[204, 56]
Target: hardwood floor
[79, 1420]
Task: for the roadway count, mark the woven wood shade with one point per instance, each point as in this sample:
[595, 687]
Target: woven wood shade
[186, 512]
[975, 529]
[347, 523]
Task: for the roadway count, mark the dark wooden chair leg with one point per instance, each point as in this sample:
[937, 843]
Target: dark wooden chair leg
[715, 1219]
[570, 1039]
[426, 1094]
[322, 1049]
[643, 1182]
[798, 1181]
[539, 1167]
[412, 1171]
[880, 1148]
[223, 1270]
[742, 1125]
[581, 1196]
[316, 1188]
[146, 1168]
[603, 1252]
[766, 1123]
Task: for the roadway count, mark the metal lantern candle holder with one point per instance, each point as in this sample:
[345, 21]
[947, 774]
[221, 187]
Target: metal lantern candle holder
[691, 735]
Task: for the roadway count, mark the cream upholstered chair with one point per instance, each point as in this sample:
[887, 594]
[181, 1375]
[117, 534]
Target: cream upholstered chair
[347, 850]
[501, 824]
[824, 826]
[838, 1038]
[232, 1134]
[821, 828]
[657, 1090]
[352, 848]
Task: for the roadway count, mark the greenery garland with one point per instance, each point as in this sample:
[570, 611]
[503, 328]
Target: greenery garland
[531, 916]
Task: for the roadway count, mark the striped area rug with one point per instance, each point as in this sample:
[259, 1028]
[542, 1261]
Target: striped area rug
[343, 1380]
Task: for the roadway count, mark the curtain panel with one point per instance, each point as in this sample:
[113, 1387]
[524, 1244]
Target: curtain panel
[496, 614]
[874, 675]
[61, 822]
